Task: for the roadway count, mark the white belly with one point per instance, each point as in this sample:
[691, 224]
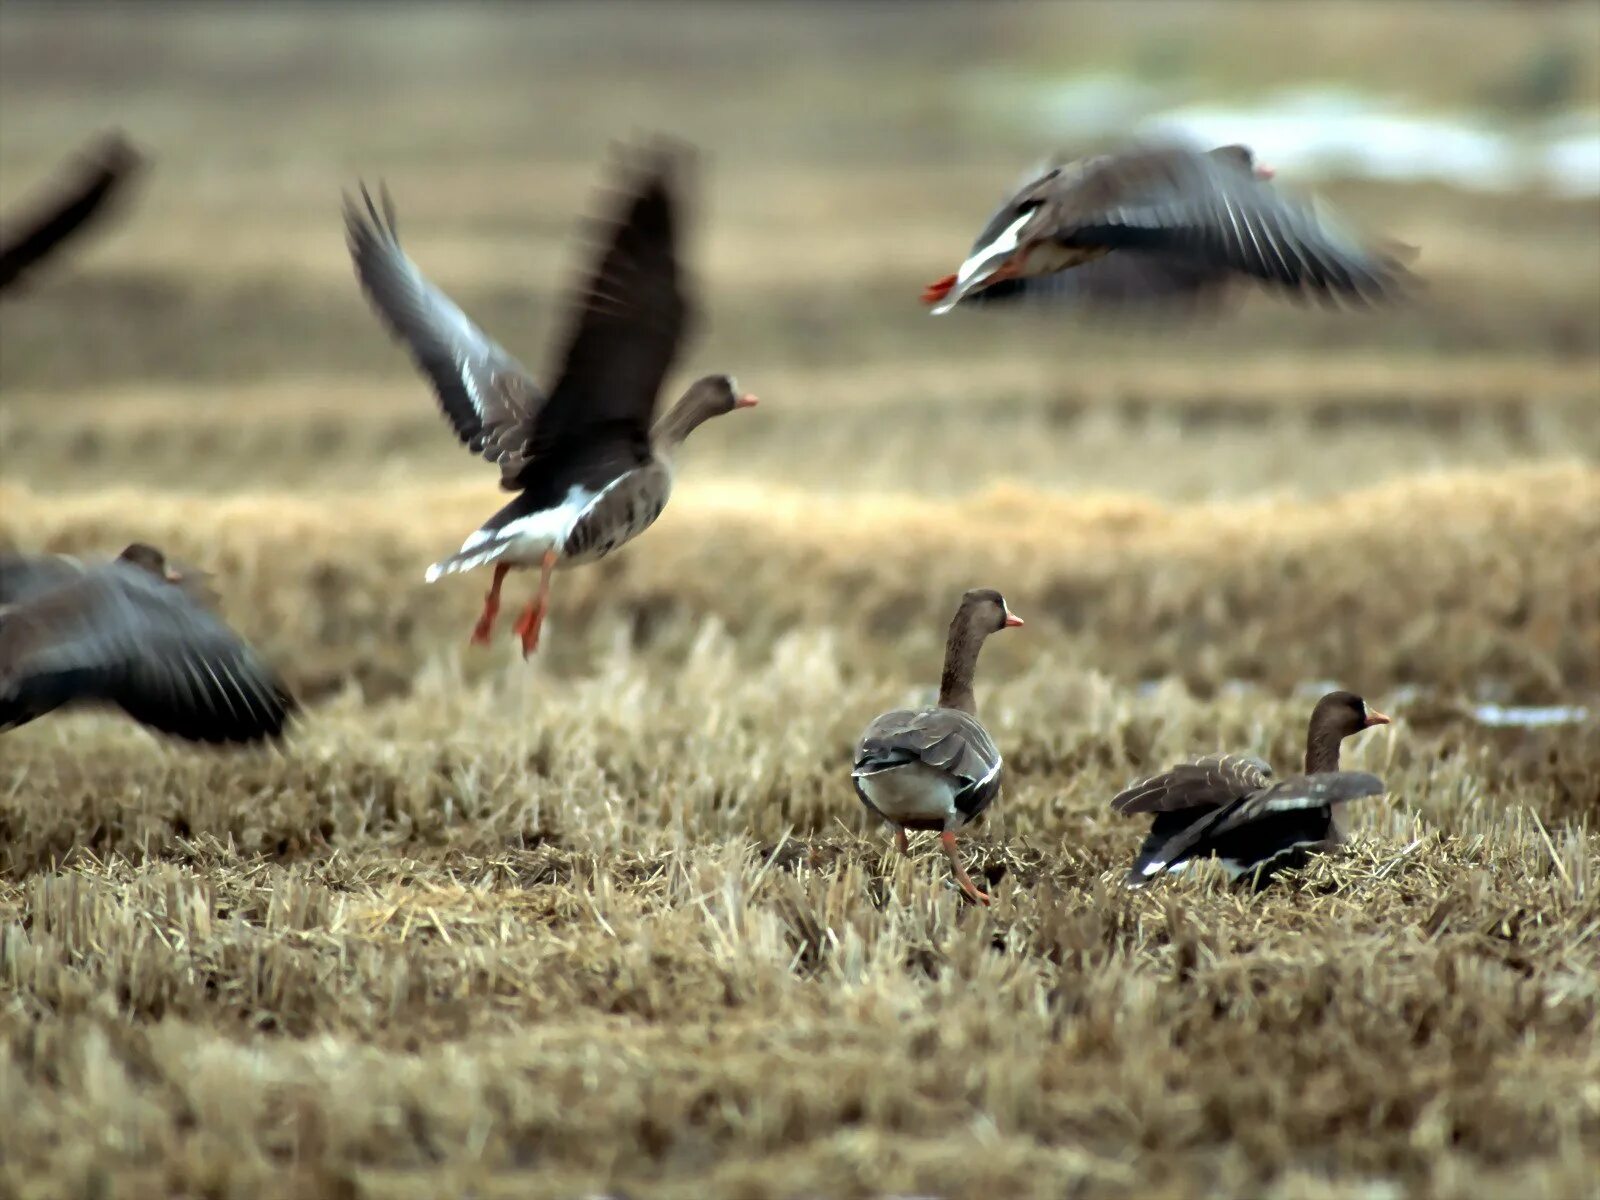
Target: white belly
[523, 542]
[529, 538]
[914, 792]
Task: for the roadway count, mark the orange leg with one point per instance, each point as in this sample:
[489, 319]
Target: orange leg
[948, 841]
[900, 841]
[491, 608]
[532, 618]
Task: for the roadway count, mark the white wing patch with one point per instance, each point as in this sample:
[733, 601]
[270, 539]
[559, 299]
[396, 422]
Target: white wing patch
[983, 261]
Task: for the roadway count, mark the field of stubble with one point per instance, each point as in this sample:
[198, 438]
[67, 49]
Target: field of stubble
[612, 920]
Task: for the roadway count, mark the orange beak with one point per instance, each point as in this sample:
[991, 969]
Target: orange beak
[1374, 717]
[1013, 621]
[746, 401]
[938, 290]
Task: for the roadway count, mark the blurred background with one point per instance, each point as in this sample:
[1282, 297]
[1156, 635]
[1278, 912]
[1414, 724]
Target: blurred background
[214, 341]
[612, 917]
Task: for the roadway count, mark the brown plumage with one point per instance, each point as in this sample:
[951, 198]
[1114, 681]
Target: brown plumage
[937, 768]
[589, 461]
[1229, 806]
[1176, 223]
[135, 633]
[95, 182]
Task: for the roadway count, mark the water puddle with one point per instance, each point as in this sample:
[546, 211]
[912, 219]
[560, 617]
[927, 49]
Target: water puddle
[1530, 716]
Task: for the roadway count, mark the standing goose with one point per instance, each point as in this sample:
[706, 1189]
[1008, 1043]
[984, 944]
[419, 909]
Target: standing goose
[591, 466]
[1228, 806]
[130, 632]
[938, 768]
[1192, 218]
[98, 179]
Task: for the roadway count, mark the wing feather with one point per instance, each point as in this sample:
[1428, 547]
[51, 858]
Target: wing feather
[118, 635]
[488, 397]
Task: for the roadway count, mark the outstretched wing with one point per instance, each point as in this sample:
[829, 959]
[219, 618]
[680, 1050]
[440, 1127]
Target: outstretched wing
[119, 635]
[1282, 814]
[1297, 793]
[1199, 206]
[630, 316]
[487, 396]
[87, 195]
[1209, 782]
[1119, 281]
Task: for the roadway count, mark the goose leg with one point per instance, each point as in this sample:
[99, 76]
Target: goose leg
[948, 841]
[532, 618]
[900, 841]
[491, 607]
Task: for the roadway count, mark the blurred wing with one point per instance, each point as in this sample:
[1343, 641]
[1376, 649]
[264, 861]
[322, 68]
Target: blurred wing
[1208, 209]
[23, 576]
[121, 636]
[1208, 782]
[487, 396]
[1322, 790]
[946, 739]
[1123, 280]
[85, 196]
[630, 317]
[1294, 795]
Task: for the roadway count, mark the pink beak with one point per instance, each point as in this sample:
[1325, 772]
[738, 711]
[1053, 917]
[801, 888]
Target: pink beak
[1265, 172]
[746, 401]
[1012, 620]
[1374, 717]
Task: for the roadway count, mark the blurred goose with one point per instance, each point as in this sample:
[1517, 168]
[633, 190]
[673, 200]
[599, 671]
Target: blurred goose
[591, 466]
[938, 768]
[1176, 222]
[99, 178]
[133, 633]
[1230, 807]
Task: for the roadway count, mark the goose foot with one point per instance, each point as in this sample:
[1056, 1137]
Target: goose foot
[491, 609]
[532, 618]
[948, 841]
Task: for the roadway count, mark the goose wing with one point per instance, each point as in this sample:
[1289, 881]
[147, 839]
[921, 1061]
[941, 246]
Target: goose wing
[87, 195]
[1209, 782]
[118, 635]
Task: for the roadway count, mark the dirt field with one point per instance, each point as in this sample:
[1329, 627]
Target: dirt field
[612, 921]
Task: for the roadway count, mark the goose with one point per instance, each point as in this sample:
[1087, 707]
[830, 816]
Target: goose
[1231, 806]
[591, 466]
[937, 768]
[96, 183]
[1162, 221]
[136, 633]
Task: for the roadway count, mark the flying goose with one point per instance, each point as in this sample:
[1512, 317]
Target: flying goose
[98, 179]
[131, 632]
[589, 463]
[1230, 806]
[1164, 221]
[937, 768]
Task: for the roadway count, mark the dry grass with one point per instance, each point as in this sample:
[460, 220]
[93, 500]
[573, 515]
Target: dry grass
[613, 919]
[1453, 582]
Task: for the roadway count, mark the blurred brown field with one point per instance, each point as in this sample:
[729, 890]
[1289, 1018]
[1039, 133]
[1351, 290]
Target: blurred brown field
[612, 920]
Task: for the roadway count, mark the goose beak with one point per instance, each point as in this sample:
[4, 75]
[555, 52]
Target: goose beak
[1374, 717]
[1264, 173]
[1013, 621]
[746, 401]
